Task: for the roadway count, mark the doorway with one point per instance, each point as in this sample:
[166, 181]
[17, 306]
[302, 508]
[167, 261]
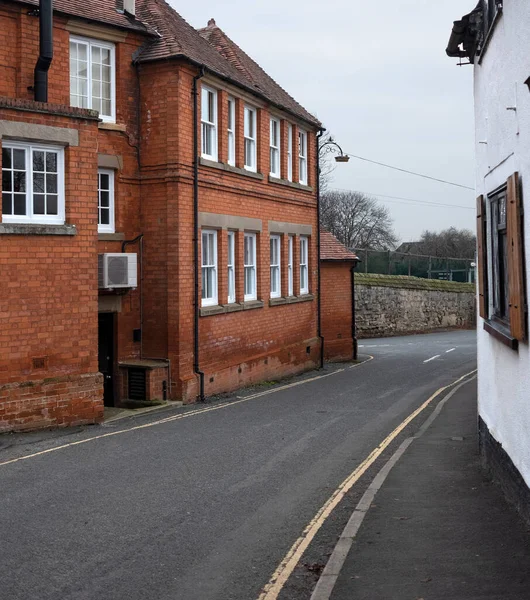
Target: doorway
[106, 342]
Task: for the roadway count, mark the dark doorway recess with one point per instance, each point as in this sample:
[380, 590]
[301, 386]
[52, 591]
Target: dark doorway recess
[106, 356]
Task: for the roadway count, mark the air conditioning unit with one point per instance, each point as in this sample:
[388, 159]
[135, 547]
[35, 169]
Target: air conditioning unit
[117, 271]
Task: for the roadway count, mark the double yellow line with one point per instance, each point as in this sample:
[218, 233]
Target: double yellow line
[292, 558]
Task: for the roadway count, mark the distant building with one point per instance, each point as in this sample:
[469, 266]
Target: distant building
[494, 38]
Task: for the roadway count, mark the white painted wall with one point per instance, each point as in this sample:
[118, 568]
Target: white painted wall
[504, 374]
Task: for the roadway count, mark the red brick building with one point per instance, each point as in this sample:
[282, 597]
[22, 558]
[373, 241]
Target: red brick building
[337, 264]
[159, 214]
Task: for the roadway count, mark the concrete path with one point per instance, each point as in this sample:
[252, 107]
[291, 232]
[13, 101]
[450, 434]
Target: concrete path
[205, 502]
[437, 529]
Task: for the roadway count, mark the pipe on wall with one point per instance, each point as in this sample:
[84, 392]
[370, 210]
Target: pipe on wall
[40, 85]
[355, 349]
[319, 296]
[196, 348]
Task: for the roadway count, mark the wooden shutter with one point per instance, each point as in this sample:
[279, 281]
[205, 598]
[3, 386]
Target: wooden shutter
[515, 259]
[482, 258]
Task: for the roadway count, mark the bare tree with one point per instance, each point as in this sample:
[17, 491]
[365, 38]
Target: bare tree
[453, 242]
[357, 220]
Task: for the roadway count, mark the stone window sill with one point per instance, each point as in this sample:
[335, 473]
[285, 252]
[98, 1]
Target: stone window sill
[221, 309]
[111, 237]
[291, 184]
[36, 229]
[291, 300]
[500, 333]
[112, 126]
[229, 168]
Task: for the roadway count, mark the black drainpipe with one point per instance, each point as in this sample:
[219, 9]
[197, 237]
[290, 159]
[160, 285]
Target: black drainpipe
[46, 51]
[353, 315]
[196, 357]
[319, 297]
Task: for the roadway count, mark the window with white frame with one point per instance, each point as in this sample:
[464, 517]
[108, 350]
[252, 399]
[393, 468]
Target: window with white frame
[251, 292]
[209, 123]
[209, 268]
[290, 248]
[250, 134]
[290, 153]
[106, 201]
[275, 148]
[32, 183]
[231, 131]
[231, 265]
[93, 76]
[302, 157]
[275, 251]
[304, 265]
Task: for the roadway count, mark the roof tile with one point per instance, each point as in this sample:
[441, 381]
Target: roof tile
[332, 249]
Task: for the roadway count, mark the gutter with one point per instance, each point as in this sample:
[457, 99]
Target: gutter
[196, 348]
[40, 83]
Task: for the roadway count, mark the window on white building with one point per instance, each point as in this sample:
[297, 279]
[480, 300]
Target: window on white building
[209, 123]
[209, 268]
[290, 247]
[231, 131]
[304, 265]
[275, 148]
[250, 132]
[251, 292]
[302, 157]
[231, 265]
[290, 153]
[275, 252]
[93, 76]
[32, 183]
[106, 201]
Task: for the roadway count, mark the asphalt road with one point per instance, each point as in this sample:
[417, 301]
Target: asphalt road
[206, 506]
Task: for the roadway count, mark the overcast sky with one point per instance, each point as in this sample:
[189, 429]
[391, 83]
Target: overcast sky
[376, 75]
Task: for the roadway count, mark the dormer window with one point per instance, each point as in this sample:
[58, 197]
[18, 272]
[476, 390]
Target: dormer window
[93, 76]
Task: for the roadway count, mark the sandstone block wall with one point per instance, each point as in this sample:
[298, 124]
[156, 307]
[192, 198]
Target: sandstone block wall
[389, 305]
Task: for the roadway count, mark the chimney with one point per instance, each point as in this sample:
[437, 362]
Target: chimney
[129, 6]
[44, 61]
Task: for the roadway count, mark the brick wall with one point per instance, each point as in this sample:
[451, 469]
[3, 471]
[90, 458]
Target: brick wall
[48, 333]
[152, 141]
[337, 310]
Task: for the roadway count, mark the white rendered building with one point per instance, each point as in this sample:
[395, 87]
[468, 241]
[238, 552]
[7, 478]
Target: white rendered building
[495, 38]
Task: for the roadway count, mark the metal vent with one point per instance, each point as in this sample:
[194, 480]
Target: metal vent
[117, 270]
[137, 384]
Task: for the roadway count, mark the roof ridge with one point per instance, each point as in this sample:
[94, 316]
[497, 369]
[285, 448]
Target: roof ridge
[213, 27]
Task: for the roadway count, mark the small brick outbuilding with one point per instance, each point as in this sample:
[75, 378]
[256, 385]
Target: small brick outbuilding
[338, 311]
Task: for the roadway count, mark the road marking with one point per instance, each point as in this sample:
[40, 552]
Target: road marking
[292, 558]
[452, 350]
[331, 573]
[192, 413]
[431, 359]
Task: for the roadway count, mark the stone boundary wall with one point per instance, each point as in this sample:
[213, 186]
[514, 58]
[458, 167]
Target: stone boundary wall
[388, 305]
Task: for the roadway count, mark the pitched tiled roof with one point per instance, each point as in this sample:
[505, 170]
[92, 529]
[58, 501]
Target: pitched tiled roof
[172, 37]
[332, 249]
[252, 71]
[102, 11]
[213, 49]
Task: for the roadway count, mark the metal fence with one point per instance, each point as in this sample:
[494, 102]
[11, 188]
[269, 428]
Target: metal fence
[389, 262]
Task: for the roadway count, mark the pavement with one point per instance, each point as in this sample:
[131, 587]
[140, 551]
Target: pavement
[204, 502]
[438, 529]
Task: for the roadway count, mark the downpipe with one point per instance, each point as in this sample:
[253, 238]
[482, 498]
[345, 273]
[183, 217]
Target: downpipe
[319, 296]
[40, 81]
[196, 349]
